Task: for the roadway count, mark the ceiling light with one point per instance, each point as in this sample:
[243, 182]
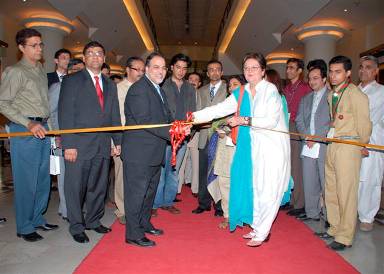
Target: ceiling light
[345, 10]
[292, 49]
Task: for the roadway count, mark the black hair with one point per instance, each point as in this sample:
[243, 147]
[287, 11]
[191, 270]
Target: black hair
[93, 44]
[340, 59]
[151, 56]
[181, 57]
[105, 65]
[215, 62]
[74, 62]
[195, 73]
[23, 34]
[297, 61]
[61, 51]
[258, 57]
[132, 59]
[318, 64]
[115, 76]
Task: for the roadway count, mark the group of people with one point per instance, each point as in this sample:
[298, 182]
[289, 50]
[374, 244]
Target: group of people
[238, 157]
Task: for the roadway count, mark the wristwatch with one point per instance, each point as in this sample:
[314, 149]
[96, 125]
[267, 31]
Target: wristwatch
[247, 120]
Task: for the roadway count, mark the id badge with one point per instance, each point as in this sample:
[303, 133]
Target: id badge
[331, 133]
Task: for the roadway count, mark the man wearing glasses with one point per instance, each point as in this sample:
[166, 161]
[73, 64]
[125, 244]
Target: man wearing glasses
[134, 70]
[88, 99]
[24, 101]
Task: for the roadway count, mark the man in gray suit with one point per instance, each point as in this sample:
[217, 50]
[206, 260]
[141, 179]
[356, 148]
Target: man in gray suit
[209, 95]
[313, 118]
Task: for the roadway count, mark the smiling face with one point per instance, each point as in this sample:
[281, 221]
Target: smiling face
[253, 72]
[315, 81]
[194, 80]
[62, 61]
[156, 69]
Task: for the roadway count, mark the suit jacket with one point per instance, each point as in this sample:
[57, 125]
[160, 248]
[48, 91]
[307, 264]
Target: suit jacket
[322, 118]
[143, 106]
[79, 107]
[52, 78]
[352, 117]
[203, 101]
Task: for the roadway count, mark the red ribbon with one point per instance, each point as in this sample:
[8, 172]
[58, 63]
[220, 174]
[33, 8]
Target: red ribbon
[178, 135]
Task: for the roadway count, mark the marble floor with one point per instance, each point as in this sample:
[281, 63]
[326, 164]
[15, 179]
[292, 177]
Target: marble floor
[58, 253]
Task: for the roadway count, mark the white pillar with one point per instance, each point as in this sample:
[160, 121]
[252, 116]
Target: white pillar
[53, 32]
[320, 41]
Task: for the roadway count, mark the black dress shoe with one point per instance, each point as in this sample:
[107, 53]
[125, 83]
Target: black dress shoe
[3, 220]
[143, 242]
[155, 232]
[326, 225]
[176, 200]
[337, 246]
[219, 213]
[304, 217]
[200, 210]
[101, 229]
[81, 238]
[286, 206]
[296, 212]
[30, 237]
[323, 235]
[47, 227]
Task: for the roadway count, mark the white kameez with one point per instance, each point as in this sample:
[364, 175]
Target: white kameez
[270, 151]
[372, 167]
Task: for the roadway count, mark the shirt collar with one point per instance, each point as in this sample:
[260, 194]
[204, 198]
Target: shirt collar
[321, 92]
[367, 86]
[217, 85]
[153, 83]
[93, 75]
[28, 64]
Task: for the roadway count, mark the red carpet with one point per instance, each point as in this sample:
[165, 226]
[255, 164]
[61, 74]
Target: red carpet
[194, 244]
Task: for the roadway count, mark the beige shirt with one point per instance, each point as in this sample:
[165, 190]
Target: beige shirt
[24, 92]
[122, 90]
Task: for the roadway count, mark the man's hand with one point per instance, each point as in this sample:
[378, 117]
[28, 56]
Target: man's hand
[37, 129]
[187, 130]
[364, 152]
[70, 154]
[310, 143]
[116, 151]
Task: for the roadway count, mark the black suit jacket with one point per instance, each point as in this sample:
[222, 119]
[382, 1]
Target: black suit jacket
[79, 108]
[143, 106]
[52, 78]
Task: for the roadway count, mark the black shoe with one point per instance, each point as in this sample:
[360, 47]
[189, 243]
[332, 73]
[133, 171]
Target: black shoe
[323, 235]
[30, 237]
[3, 220]
[337, 246]
[47, 227]
[286, 206]
[303, 217]
[100, 229]
[219, 213]
[176, 200]
[143, 242]
[200, 210]
[326, 225]
[81, 238]
[296, 212]
[155, 232]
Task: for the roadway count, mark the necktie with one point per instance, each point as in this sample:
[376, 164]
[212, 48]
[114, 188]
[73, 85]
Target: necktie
[61, 77]
[212, 92]
[99, 92]
[159, 92]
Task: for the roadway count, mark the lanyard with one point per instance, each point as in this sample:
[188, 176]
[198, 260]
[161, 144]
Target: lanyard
[336, 98]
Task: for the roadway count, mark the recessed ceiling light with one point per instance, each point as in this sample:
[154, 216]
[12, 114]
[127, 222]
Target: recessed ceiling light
[292, 49]
[195, 43]
[345, 10]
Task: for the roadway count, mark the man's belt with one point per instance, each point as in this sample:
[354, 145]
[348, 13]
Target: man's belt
[38, 119]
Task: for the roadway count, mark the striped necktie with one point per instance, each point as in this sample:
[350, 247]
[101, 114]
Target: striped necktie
[212, 92]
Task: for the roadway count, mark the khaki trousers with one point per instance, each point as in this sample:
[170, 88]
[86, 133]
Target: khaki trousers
[342, 175]
[224, 183]
[119, 187]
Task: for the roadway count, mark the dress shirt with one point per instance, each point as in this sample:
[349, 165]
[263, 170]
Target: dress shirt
[157, 87]
[317, 95]
[94, 81]
[24, 92]
[293, 93]
[60, 75]
[216, 86]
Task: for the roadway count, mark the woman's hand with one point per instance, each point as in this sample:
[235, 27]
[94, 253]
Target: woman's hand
[237, 121]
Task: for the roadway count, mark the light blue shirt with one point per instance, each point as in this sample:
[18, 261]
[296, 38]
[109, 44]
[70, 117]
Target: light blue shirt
[157, 87]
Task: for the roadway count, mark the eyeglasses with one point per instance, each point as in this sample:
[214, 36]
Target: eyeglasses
[251, 69]
[138, 70]
[94, 54]
[34, 46]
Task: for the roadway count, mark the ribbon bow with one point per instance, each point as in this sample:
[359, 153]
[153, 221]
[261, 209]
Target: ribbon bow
[177, 132]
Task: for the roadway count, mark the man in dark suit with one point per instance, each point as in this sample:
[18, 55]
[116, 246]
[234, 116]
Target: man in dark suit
[88, 99]
[211, 94]
[313, 118]
[62, 57]
[143, 150]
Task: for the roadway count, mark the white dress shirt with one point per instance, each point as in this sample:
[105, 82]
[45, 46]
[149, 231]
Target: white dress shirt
[94, 81]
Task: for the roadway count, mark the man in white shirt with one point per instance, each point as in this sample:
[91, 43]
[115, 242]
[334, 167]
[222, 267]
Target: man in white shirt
[313, 118]
[372, 166]
[135, 70]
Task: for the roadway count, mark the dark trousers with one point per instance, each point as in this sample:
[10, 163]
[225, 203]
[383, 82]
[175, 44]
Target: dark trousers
[140, 185]
[297, 198]
[204, 197]
[31, 180]
[86, 180]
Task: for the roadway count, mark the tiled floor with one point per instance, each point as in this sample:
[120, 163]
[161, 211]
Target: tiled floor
[58, 253]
